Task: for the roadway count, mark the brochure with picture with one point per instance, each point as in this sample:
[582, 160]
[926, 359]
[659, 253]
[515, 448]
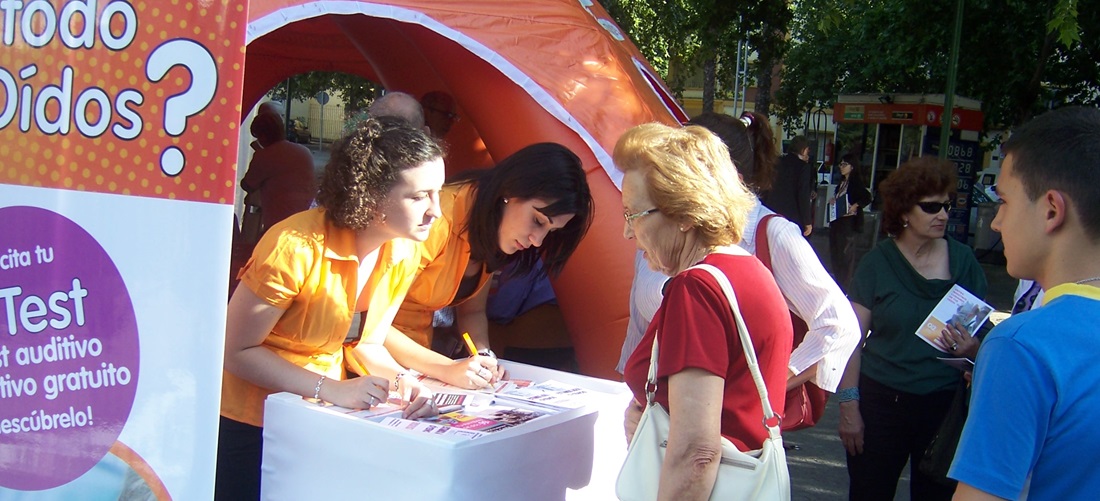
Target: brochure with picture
[429, 427]
[958, 307]
[486, 419]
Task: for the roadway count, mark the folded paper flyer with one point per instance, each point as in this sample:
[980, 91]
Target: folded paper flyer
[958, 307]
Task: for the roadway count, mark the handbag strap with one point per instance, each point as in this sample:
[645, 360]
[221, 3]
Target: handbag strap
[760, 241]
[651, 383]
[746, 345]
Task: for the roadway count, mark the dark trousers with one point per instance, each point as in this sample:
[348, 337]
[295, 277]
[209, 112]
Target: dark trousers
[898, 427]
[240, 451]
[842, 253]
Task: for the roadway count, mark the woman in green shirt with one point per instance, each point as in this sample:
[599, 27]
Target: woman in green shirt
[894, 393]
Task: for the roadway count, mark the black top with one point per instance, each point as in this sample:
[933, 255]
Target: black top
[790, 194]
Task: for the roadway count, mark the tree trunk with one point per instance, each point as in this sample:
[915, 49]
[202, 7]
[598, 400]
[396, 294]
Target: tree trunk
[1025, 105]
[763, 101]
[709, 67]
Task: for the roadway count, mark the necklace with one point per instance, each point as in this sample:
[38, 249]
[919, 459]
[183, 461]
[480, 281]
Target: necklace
[1087, 280]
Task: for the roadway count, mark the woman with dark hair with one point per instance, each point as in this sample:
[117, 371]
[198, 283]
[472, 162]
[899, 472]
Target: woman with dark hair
[845, 214]
[831, 330]
[534, 204]
[895, 393]
[324, 275]
[751, 144]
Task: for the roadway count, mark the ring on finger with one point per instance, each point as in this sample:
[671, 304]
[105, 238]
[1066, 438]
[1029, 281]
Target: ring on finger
[954, 346]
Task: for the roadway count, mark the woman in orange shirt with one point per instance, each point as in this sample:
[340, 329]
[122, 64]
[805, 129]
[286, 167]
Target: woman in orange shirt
[533, 204]
[312, 275]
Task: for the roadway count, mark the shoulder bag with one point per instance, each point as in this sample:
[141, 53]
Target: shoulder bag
[755, 475]
[805, 403]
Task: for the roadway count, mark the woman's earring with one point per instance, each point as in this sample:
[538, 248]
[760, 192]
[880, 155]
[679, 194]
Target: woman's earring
[905, 224]
[505, 200]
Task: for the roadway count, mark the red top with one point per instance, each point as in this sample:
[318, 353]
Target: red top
[697, 329]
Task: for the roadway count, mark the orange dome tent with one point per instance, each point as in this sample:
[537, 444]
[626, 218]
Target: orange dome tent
[522, 72]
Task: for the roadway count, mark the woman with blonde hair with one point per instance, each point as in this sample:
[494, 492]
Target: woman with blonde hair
[685, 205]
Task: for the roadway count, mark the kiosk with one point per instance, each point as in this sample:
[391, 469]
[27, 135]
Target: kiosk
[898, 127]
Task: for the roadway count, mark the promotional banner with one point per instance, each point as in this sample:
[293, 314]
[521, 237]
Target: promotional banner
[118, 143]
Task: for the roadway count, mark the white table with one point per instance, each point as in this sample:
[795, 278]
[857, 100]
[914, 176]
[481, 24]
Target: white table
[315, 453]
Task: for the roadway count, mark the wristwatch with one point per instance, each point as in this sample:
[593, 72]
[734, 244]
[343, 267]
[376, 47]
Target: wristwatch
[487, 353]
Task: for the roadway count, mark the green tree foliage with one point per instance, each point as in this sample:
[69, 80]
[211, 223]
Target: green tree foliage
[1016, 56]
[357, 91]
[679, 37]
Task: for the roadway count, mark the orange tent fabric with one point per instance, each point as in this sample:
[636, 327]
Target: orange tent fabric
[521, 72]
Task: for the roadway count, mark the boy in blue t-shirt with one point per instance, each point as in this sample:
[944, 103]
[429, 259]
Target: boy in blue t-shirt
[1031, 427]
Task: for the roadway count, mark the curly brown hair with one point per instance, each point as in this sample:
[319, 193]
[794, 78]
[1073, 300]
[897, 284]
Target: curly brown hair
[914, 180]
[364, 167]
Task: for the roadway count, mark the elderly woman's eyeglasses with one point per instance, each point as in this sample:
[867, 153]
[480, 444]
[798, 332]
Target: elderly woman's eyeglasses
[934, 207]
[631, 217]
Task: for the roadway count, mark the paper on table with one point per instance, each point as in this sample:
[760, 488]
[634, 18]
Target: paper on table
[547, 393]
[959, 307]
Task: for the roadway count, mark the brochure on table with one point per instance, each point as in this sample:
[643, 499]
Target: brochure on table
[958, 307]
[549, 456]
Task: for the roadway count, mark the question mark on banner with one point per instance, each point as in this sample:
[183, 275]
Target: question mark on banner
[177, 108]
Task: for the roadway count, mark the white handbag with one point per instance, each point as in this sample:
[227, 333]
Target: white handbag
[755, 475]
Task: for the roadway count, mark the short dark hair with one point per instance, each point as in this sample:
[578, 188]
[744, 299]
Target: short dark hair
[914, 180]
[1060, 150]
[364, 166]
[545, 170]
[797, 145]
[267, 128]
[751, 144]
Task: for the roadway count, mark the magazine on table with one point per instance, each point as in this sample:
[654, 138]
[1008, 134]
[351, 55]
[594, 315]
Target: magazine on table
[549, 393]
[958, 307]
[470, 414]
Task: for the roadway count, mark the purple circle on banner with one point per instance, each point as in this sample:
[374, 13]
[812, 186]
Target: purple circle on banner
[68, 350]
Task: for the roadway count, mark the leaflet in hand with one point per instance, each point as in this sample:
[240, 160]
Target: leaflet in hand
[958, 307]
[961, 363]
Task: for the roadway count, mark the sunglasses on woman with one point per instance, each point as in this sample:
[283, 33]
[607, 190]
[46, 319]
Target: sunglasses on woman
[934, 207]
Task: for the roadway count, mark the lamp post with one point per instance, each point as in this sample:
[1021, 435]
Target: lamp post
[952, 75]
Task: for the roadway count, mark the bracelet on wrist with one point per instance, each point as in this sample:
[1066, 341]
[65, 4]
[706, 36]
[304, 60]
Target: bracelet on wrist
[397, 380]
[848, 394]
[317, 389]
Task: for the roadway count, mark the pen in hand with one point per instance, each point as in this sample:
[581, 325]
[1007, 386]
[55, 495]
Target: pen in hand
[469, 343]
[450, 408]
[473, 352]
